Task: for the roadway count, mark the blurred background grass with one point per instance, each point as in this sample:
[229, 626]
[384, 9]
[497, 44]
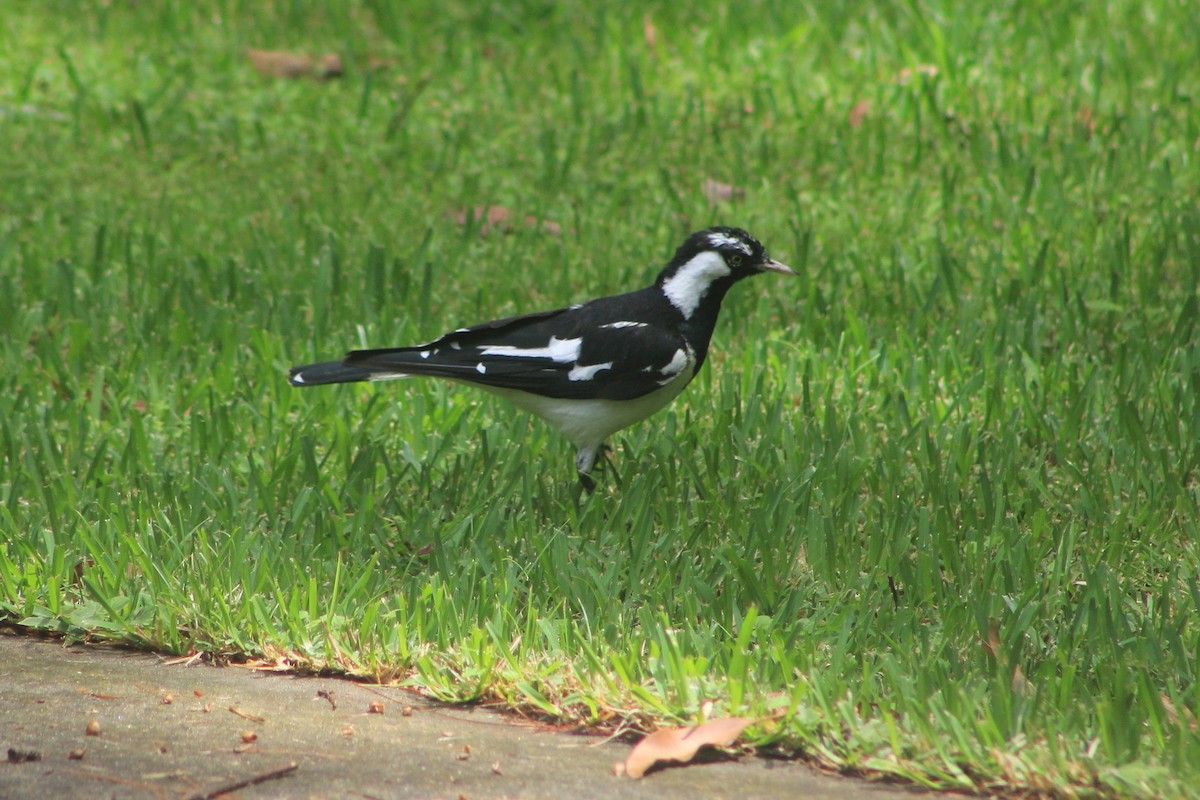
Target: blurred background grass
[932, 510]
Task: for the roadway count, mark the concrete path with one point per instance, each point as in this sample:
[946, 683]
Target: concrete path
[101, 722]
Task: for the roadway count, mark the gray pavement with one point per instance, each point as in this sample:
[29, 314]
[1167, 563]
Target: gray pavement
[170, 730]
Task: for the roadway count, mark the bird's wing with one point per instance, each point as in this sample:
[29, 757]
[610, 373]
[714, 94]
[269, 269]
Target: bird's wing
[568, 353]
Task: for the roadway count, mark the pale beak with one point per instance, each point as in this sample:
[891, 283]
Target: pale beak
[771, 265]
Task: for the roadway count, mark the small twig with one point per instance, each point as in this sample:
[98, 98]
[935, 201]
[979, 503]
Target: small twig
[246, 714]
[209, 794]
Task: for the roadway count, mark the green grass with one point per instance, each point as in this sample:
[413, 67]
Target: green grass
[932, 509]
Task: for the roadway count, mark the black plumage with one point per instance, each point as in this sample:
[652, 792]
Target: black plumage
[589, 369]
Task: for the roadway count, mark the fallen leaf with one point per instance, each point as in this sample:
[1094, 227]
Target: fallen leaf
[329, 66]
[716, 192]
[991, 644]
[501, 219]
[1173, 715]
[281, 64]
[1085, 122]
[861, 110]
[329, 695]
[167, 698]
[77, 754]
[277, 64]
[93, 727]
[649, 32]
[246, 714]
[681, 744]
[249, 736]
[905, 76]
[376, 707]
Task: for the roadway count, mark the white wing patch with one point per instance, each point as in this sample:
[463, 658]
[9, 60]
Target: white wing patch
[721, 240]
[623, 324]
[560, 351]
[681, 361]
[589, 372]
[687, 287]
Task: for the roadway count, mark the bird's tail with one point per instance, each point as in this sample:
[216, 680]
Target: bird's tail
[328, 372]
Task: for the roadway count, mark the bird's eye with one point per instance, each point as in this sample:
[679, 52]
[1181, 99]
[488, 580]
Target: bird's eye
[735, 261]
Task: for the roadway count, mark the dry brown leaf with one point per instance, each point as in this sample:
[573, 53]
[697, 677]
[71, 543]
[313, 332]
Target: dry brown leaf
[1085, 122]
[93, 727]
[329, 66]
[991, 645]
[681, 744]
[1173, 713]
[905, 76]
[649, 32]
[281, 64]
[861, 110]
[246, 714]
[716, 192]
[501, 219]
[278, 64]
[375, 707]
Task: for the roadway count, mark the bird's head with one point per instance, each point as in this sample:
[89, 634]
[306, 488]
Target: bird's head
[744, 254]
[711, 256]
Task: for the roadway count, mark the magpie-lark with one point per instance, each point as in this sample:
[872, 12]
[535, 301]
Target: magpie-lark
[591, 369]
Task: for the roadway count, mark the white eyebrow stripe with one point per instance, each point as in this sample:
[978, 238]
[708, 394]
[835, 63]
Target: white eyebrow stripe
[560, 351]
[720, 240]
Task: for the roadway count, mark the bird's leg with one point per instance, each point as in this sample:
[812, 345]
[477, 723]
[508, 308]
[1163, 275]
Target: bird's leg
[606, 462]
[584, 460]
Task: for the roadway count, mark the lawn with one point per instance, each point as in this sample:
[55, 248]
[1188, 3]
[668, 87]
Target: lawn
[931, 511]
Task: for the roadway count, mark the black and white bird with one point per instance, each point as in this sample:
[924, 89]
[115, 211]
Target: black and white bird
[591, 369]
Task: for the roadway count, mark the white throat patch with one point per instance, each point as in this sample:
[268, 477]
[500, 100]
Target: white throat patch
[687, 287]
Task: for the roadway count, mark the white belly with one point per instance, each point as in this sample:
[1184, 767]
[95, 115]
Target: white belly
[587, 423]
